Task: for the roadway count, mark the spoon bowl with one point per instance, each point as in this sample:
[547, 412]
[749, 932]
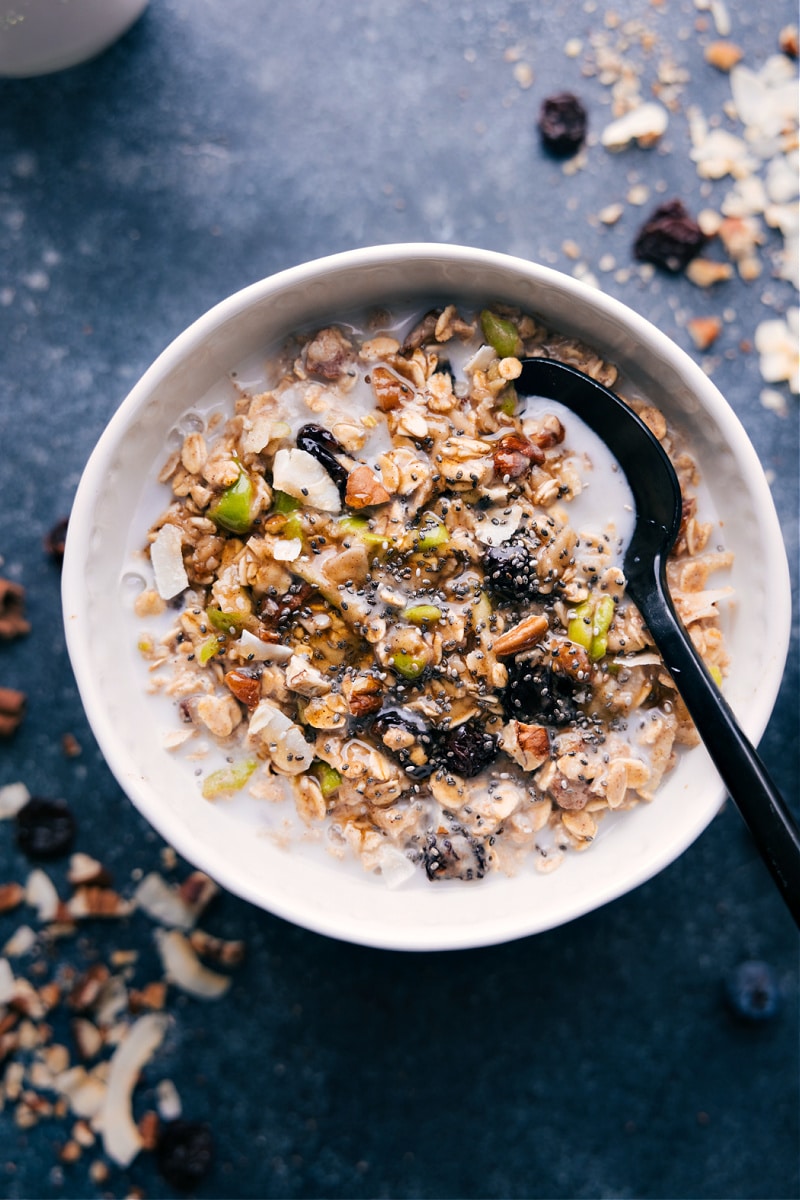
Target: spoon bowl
[657, 497]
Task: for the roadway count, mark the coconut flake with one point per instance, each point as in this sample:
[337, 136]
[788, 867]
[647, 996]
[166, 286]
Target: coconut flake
[298, 473]
[272, 730]
[168, 1102]
[40, 893]
[287, 549]
[645, 125]
[85, 1091]
[162, 902]
[13, 798]
[497, 525]
[396, 868]
[121, 1138]
[183, 968]
[253, 647]
[7, 982]
[168, 569]
[21, 942]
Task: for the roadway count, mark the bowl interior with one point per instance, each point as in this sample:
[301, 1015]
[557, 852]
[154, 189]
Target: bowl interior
[312, 890]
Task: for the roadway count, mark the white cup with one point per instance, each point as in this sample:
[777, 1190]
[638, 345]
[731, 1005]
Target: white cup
[39, 36]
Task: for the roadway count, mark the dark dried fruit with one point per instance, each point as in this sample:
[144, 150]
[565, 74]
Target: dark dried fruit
[467, 749]
[562, 124]
[185, 1153]
[670, 238]
[277, 612]
[45, 828]
[323, 446]
[538, 694]
[752, 991]
[453, 855]
[55, 540]
[409, 740]
[510, 573]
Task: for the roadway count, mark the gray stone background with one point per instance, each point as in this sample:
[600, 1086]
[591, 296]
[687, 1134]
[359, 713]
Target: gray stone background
[217, 143]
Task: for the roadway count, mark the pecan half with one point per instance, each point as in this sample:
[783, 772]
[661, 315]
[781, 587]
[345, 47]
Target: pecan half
[364, 489]
[12, 710]
[12, 610]
[520, 637]
[514, 455]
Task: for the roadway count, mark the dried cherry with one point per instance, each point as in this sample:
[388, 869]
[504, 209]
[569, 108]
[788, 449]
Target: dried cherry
[538, 694]
[184, 1153]
[323, 446]
[669, 238]
[562, 124]
[467, 749]
[45, 828]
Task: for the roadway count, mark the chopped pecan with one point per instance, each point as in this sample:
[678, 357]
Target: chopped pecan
[364, 489]
[568, 658]
[12, 708]
[364, 695]
[533, 740]
[11, 895]
[329, 354]
[424, 331]
[390, 392]
[12, 610]
[514, 455]
[550, 432]
[520, 637]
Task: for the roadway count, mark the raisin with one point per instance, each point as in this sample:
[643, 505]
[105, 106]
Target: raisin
[323, 446]
[55, 540]
[418, 759]
[184, 1153]
[278, 611]
[538, 694]
[562, 124]
[45, 828]
[510, 573]
[670, 238]
[467, 749]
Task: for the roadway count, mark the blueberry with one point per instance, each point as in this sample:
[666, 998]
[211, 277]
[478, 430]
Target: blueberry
[752, 991]
[184, 1153]
[467, 749]
[45, 828]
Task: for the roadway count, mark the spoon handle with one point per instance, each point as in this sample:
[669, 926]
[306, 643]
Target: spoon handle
[770, 822]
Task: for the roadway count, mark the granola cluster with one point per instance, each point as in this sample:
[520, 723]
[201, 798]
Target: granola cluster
[381, 597]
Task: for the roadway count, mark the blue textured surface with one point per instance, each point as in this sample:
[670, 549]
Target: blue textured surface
[215, 144]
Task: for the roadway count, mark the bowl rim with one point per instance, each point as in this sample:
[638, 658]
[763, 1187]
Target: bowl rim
[78, 633]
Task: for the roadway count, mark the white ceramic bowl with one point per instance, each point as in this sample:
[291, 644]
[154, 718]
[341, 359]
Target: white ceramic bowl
[311, 891]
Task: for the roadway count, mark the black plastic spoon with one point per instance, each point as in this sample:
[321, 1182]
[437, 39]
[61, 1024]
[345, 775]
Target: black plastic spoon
[657, 497]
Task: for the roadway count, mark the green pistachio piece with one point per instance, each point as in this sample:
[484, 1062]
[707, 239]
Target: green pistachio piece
[422, 614]
[603, 616]
[408, 665]
[509, 401]
[293, 528]
[225, 622]
[232, 510]
[579, 629]
[228, 779]
[431, 536]
[326, 776]
[500, 333]
[207, 650]
[359, 527]
[282, 502]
